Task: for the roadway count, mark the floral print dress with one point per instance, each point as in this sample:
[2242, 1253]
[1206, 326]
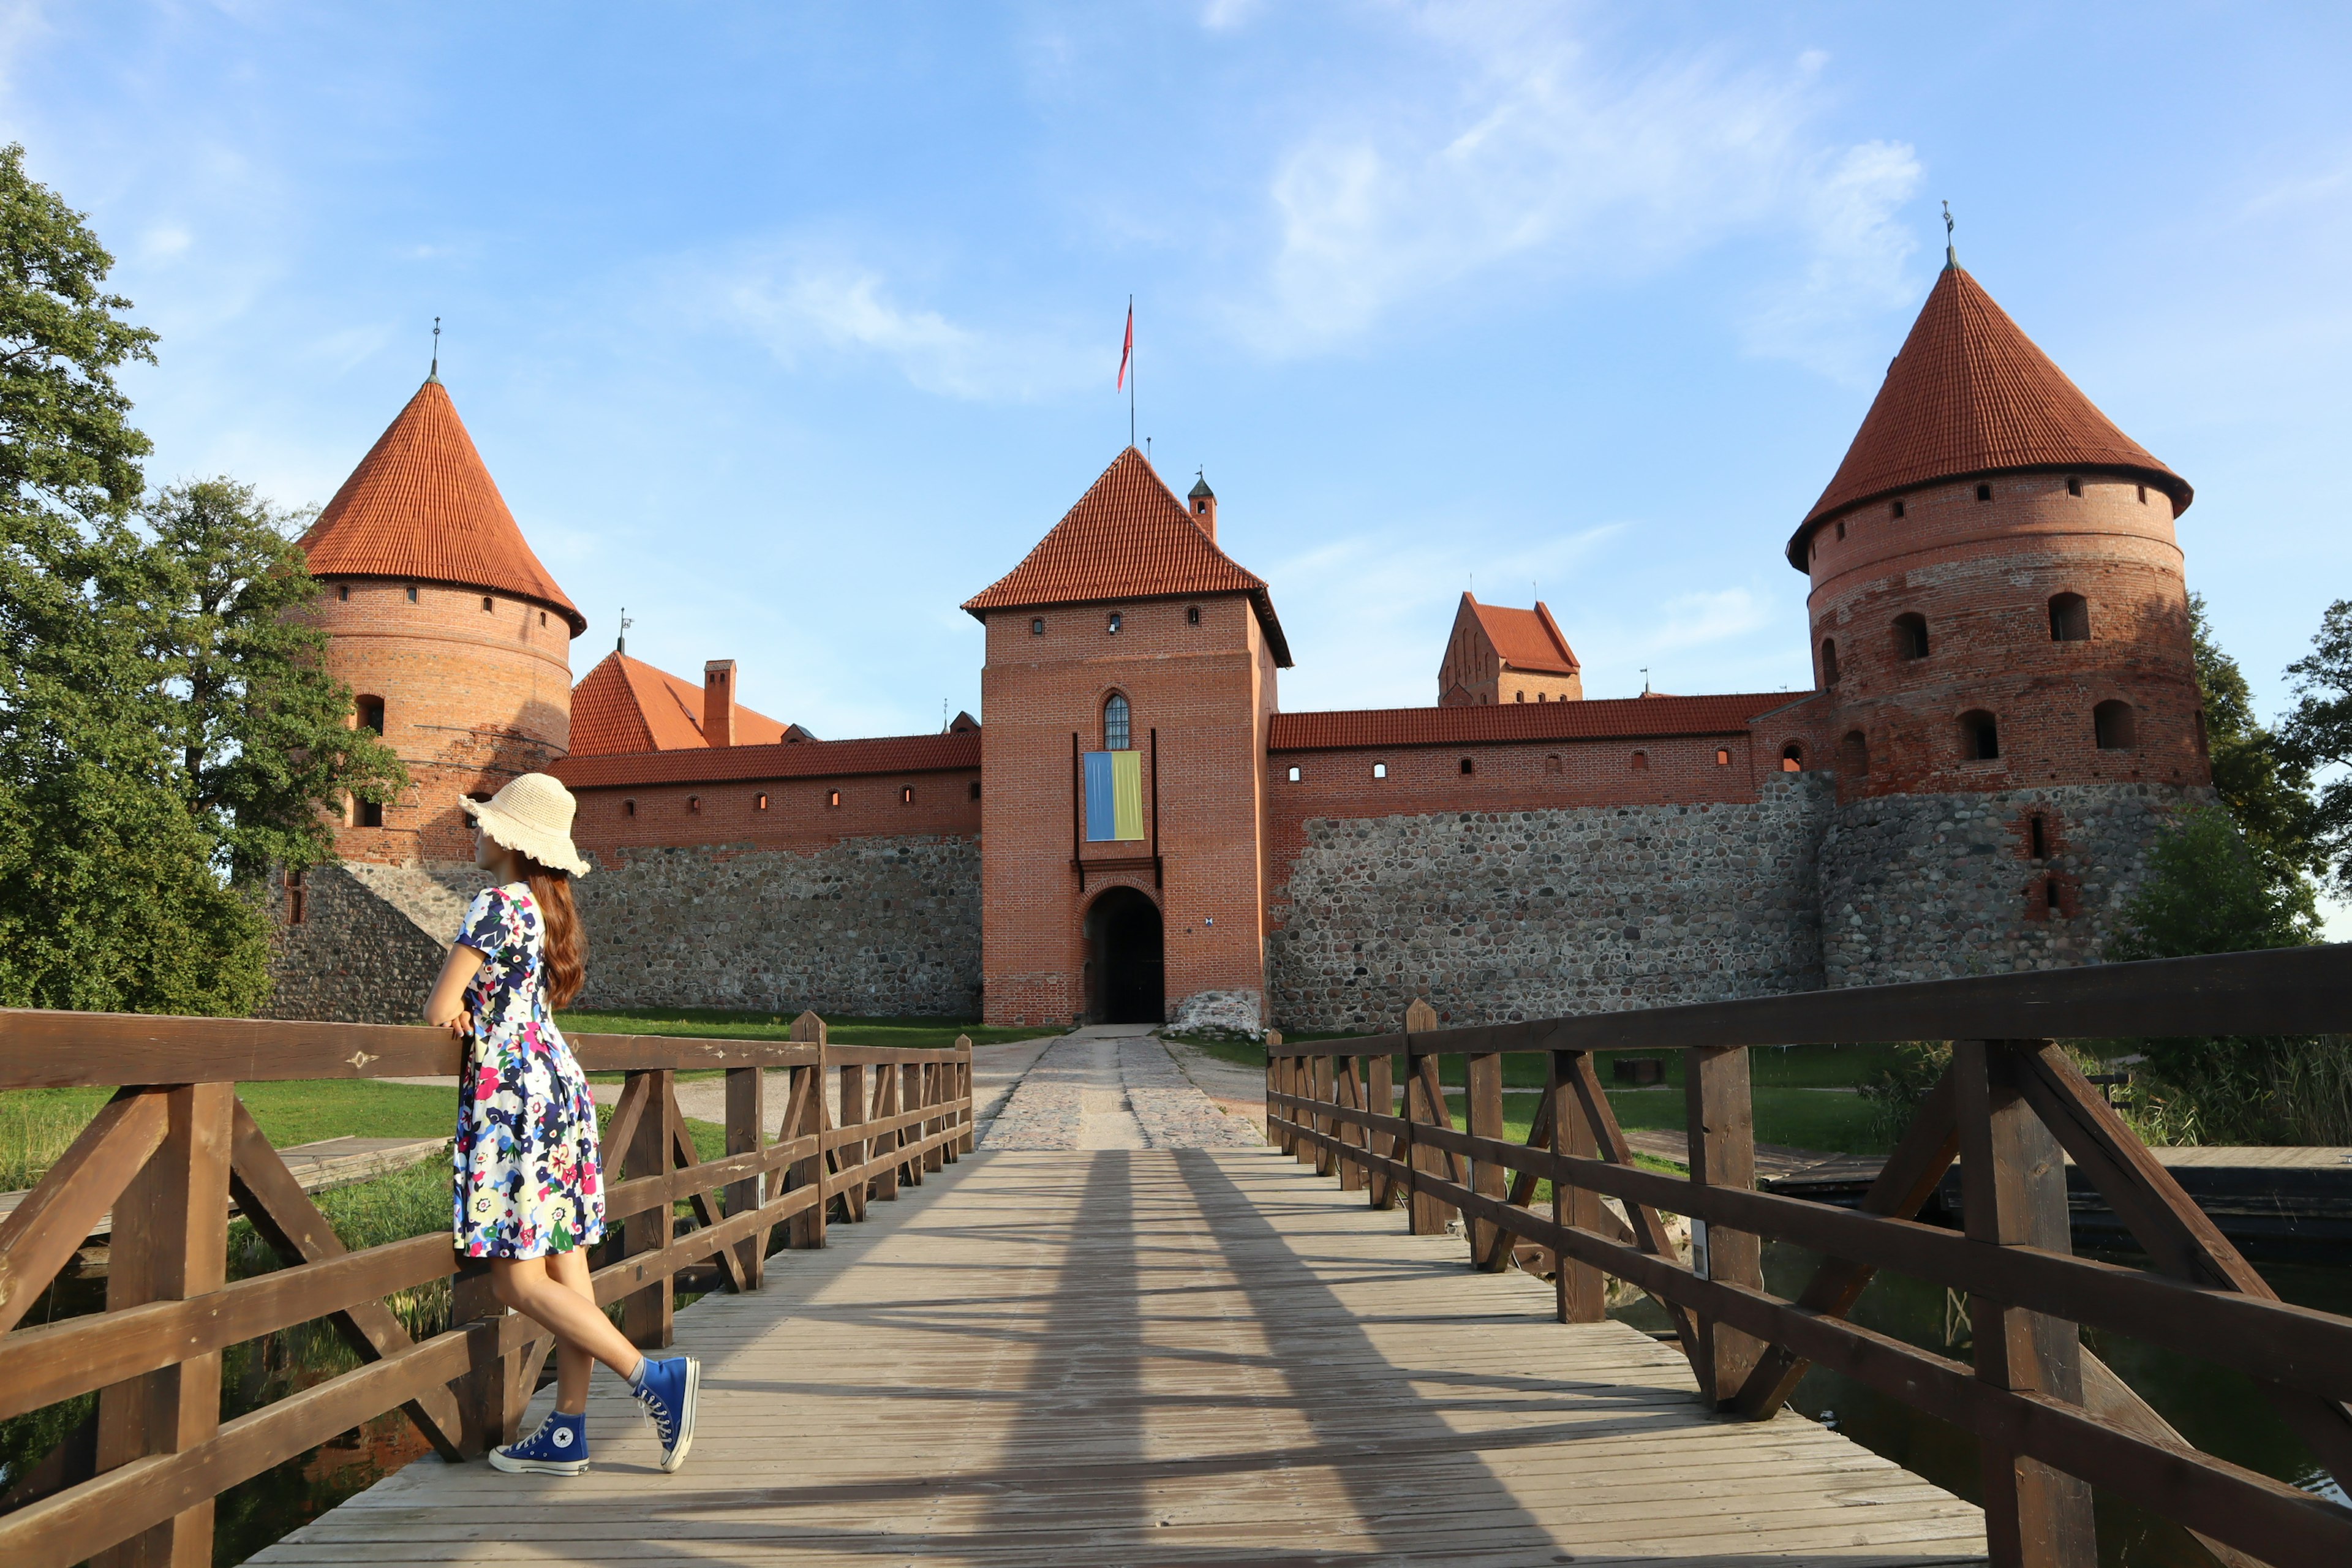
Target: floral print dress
[528, 1182]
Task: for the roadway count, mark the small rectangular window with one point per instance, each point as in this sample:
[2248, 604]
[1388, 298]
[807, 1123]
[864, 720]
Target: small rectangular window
[411, 593]
[907, 795]
[543, 617]
[975, 789]
[1294, 775]
[371, 814]
[1899, 509]
[832, 798]
[486, 602]
[1722, 757]
[1115, 621]
[694, 804]
[759, 802]
[1380, 770]
[343, 590]
[1037, 626]
[1192, 612]
[628, 808]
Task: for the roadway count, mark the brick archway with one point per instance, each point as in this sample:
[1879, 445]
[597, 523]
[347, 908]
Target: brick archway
[1125, 981]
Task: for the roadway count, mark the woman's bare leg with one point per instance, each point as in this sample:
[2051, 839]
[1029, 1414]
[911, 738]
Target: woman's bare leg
[569, 1270]
[566, 1307]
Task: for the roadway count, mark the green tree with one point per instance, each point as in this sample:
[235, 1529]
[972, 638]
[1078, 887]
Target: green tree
[2318, 735]
[260, 728]
[2265, 784]
[2207, 890]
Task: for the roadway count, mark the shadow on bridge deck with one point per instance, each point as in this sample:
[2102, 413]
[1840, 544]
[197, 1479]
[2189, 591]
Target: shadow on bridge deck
[1199, 1357]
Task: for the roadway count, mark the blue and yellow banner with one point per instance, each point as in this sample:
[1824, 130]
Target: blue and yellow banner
[1114, 796]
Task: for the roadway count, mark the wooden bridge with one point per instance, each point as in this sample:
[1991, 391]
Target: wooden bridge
[1379, 1340]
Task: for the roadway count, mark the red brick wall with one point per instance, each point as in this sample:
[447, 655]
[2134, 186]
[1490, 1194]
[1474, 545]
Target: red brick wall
[1207, 688]
[1981, 573]
[472, 696]
[798, 816]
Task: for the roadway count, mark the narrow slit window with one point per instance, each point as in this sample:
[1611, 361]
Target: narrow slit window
[1518, 697]
[486, 602]
[342, 590]
[975, 789]
[832, 798]
[628, 808]
[2037, 835]
[1841, 527]
[2143, 495]
[2051, 895]
[1828, 661]
[759, 802]
[295, 897]
[1896, 509]
[694, 804]
[1191, 615]
[907, 794]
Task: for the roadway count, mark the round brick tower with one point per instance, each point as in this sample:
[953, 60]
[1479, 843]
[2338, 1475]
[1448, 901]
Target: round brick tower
[2000, 626]
[455, 640]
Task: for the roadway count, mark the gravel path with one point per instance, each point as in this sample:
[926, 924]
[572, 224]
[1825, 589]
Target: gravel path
[1112, 1087]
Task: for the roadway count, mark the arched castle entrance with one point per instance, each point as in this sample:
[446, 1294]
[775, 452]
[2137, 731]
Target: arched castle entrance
[1123, 959]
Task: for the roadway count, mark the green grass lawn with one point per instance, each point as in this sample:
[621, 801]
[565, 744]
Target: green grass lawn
[1783, 1067]
[923, 1033]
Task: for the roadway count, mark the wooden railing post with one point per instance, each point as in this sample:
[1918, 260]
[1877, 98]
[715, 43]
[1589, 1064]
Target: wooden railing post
[170, 1243]
[808, 1225]
[488, 1414]
[2014, 1193]
[963, 1080]
[747, 1133]
[1423, 1105]
[1324, 1158]
[1483, 1101]
[1721, 1116]
[1350, 1082]
[886, 1105]
[1381, 1096]
[647, 1316]
[851, 1155]
[1581, 1291]
[935, 1083]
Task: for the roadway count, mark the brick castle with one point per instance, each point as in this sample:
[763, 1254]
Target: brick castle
[2005, 711]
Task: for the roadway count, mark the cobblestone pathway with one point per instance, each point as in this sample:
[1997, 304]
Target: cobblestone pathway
[1112, 1089]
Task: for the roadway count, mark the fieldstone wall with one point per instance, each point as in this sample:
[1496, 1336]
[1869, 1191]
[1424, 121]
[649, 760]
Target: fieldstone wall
[359, 957]
[867, 927]
[1929, 886]
[1499, 916]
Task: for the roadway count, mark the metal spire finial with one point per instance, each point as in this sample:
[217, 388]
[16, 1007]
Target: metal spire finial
[621, 644]
[1951, 256]
[435, 373]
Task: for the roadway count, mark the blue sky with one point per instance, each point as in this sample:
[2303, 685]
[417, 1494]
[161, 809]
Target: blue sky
[788, 328]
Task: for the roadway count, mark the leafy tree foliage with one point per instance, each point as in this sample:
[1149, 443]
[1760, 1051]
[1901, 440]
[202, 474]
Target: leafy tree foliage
[2265, 784]
[2208, 891]
[132, 817]
[259, 729]
[2318, 735]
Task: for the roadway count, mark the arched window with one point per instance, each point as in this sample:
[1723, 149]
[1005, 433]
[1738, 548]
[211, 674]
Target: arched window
[694, 804]
[2111, 722]
[759, 802]
[1722, 757]
[1828, 661]
[1380, 770]
[1518, 697]
[906, 794]
[1911, 637]
[2070, 618]
[371, 713]
[1117, 733]
[1853, 756]
[1792, 758]
[1980, 736]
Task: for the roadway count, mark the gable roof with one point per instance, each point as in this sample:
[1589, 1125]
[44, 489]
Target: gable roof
[1609, 718]
[626, 705]
[1970, 394]
[1128, 538]
[1525, 639]
[422, 505]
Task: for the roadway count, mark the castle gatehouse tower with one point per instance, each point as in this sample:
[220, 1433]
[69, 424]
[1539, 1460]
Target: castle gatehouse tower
[1999, 626]
[452, 638]
[1128, 684]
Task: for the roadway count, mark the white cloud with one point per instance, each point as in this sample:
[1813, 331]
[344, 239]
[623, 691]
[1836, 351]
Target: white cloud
[802, 304]
[1224, 15]
[1522, 149]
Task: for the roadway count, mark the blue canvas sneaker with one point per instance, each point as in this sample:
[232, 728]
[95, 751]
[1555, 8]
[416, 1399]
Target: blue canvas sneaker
[559, 1447]
[668, 1389]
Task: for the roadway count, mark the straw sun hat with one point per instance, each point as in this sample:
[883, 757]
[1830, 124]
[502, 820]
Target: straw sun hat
[532, 816]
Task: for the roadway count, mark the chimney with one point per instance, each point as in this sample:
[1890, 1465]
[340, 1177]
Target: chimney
[718, 702]
[1204, 507]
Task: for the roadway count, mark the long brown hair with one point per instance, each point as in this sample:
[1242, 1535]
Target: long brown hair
[564, 946]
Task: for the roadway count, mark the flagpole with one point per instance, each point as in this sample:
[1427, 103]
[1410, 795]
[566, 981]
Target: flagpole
[1130, 372]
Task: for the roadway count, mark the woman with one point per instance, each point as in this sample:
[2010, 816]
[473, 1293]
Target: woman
[528, 1195]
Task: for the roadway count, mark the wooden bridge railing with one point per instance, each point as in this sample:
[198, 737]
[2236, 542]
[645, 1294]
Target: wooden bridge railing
[165, 1153]
[2051, 1419]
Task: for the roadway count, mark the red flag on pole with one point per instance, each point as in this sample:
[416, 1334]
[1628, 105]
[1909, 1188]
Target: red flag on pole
[1126, 348]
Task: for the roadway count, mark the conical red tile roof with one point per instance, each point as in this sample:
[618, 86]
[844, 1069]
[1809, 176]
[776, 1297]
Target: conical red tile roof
[1970, 394]
[1128, 538]
[421, 505]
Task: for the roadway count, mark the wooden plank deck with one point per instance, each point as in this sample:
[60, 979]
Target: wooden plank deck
[1192, 1356]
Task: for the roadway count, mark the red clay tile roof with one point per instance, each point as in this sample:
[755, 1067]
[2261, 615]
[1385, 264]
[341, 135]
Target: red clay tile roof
[1128, 538]
[422, 506]
[1971, 393]
[795, 759]
[1618, 718]
[1526, 639]
[626, 705]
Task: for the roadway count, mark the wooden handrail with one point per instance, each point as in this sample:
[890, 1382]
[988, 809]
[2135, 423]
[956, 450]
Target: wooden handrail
[2051, 1420]
[166, 1152]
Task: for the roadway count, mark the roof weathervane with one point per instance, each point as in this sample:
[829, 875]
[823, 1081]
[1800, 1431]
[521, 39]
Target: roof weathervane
[621, 644]
[435, 373]
[1951, 256]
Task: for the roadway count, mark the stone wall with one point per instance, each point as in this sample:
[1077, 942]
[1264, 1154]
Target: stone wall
[1497, 916]
[867, 927]
[1928, 887]
[360, 954]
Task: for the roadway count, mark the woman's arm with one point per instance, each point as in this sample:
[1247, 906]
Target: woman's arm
[446, 1007]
